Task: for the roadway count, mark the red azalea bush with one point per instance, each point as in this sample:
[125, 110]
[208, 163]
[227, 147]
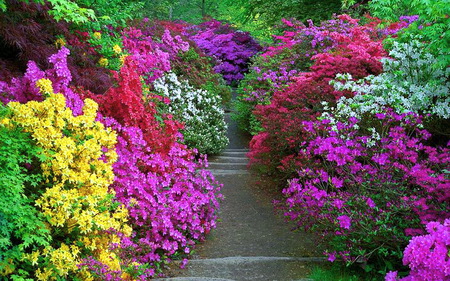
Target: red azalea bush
[356, 53]
[367, 185]
[126, 104]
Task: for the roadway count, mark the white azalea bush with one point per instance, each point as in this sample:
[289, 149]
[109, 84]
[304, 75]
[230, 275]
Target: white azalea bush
[410, 82]
[200, 111]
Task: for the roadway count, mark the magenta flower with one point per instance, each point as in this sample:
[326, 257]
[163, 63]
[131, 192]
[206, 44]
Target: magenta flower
[344, 221]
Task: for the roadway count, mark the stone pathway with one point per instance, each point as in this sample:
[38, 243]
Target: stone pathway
[251, 242]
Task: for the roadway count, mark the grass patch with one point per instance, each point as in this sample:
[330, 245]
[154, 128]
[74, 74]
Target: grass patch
[335, 272]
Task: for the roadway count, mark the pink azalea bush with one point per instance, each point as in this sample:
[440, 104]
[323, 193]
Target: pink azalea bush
[171, 199]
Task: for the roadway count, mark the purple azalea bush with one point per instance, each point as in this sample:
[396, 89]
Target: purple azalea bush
[231, 49]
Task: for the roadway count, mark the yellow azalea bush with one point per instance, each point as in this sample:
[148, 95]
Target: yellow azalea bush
[77, 157]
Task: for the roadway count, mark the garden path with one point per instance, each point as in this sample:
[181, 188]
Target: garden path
[251, 242]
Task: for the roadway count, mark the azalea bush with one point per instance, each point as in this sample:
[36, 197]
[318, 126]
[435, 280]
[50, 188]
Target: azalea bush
[171, 199]
[80, 216]
[367, 184]
[409, 82]
[230, 48]
[204, 125]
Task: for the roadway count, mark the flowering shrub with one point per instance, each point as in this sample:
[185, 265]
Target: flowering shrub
[367, 185]
[76, 162]
[126, 104]
[171, 200]
[427, 255]
[408, 83]
[205, 127]
[354, 53]
[231, 49]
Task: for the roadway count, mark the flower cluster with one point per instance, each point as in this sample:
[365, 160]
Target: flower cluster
[427, 255]
[170, 198]
[199, 110]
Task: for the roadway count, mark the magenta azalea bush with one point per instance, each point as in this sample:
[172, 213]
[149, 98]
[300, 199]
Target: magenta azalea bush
[172, 201]
[367, 185]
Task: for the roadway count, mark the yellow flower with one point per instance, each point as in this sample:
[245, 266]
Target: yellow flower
[122, 59]
[97, 35]
[4, 122]
[117, 49]
[60, 42]
[45, 86]
[103, 62]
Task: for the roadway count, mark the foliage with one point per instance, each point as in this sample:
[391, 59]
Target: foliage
[28, 33]
[367, 185]
[271, 11]
[231, 49]
[427, 255]
[22, 227]
[204, 125]
[431, 26]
